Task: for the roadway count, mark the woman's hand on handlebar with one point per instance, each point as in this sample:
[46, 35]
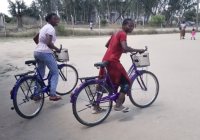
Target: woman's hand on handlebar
[57, 50]
[141, 51]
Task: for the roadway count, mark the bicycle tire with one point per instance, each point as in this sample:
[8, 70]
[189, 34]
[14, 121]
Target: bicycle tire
[85, 101]
[140, 97]
[68, 79]
[23, 101]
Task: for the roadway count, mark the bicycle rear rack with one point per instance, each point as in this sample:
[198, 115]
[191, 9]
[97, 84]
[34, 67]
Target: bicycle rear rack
[89, 78]
[23, 74]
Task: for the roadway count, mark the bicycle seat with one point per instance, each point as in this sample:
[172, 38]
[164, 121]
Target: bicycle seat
[102, 64]
[30, 62]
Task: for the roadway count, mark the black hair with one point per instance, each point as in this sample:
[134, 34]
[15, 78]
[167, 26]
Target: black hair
[193, 29]
[49, 16]
[183, 21]
[126, 21]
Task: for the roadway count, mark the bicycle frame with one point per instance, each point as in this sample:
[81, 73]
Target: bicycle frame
[132, 73]
[36, 72]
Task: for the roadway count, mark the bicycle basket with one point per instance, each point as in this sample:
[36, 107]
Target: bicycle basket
[63, 56]
[141, 60]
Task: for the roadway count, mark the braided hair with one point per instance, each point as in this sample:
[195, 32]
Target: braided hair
[126, 21]
[49, 16]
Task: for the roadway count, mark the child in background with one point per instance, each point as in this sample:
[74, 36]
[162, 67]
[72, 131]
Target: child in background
[193, 33]
[91, 26]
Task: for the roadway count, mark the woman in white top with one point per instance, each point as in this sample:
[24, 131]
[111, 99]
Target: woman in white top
[45, 40]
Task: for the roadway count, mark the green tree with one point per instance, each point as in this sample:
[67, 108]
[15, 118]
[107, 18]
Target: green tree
[190, 15]
[178, 8]
[17, 10]
[45, 6]
[157, 20]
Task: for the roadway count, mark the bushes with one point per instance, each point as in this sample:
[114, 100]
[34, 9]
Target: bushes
[157, 20]
[30, 21]
[61, 31]
[103, 23]
[28, 33]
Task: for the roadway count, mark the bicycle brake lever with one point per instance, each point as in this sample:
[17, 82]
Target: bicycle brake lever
[146, 49]
[60, 48]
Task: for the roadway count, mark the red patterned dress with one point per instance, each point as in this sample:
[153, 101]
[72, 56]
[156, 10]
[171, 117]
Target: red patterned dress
[113, 54]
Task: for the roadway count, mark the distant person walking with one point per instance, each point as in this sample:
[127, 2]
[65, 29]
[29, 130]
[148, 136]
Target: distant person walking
[193, 34]
[91, 26]
[182, 30]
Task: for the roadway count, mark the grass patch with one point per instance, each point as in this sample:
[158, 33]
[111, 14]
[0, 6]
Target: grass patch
[83, 30]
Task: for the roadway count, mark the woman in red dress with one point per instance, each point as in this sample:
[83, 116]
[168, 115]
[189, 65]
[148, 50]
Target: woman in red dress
[117, 45]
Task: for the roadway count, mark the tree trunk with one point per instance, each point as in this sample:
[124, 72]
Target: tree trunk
[19, 21]
[96, 14]
[75, 15]
[84, 14]
[108, 12]
[88, 15]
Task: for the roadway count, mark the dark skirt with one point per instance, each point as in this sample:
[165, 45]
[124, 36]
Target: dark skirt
[182, 32]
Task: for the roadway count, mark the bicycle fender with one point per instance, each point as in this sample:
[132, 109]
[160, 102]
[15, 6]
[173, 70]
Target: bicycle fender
[73, 95]
[16, 85]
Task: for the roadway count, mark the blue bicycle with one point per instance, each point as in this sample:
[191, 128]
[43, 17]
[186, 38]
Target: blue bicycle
[29, 86]
[97, 94]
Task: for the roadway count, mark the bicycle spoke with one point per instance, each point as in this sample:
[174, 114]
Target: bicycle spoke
[23, 101]
[83, 99]
[84, 109]
[96, 111]
[144, 97]
[68, 78]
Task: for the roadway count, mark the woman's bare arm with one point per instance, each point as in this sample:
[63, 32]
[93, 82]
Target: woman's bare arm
[107, 44]
[129, 49]
[50, 44]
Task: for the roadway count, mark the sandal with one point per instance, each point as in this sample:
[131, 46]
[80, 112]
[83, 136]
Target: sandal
[54, 98]
[124, 109]
[99, 110]
[37, 98]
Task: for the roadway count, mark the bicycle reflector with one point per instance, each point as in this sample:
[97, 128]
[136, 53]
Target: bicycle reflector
[71, 95]
[11, 92]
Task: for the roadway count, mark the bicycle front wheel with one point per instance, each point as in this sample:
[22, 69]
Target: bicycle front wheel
[68, 78]
[23, 101]
[144, 89]
[85, 108]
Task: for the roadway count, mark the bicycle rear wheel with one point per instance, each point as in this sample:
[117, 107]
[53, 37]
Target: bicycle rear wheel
[139, 95]
[23, 101]
[85, 103]
[68, 78]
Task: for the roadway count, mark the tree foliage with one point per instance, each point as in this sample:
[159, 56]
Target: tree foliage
[157, 20]
[84, 11]
[190, 15]
[17, 9]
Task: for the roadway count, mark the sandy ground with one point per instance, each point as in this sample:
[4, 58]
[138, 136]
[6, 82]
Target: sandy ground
[173, 116]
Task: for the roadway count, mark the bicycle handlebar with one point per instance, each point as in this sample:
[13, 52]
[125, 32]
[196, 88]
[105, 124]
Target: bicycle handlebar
[146, 49]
